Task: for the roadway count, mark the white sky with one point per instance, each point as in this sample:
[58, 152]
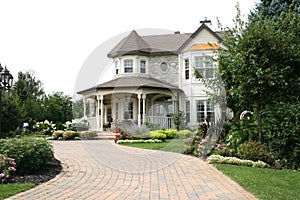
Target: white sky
[54, 38]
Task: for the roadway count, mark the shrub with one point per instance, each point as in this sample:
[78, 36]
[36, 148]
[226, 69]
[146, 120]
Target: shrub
[223, 149]
[29, 154]
[152, 126]
[170, 133]
[7, 167]
[87, 135]
[139, 141]
[184, 134]
[160, 135]
[253, 150]
[57, 134]
[191, 143]
[69, 135]
[281, 125]
[217, 159]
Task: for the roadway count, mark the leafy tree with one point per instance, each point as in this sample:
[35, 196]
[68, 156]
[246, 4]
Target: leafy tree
[260, 65]
[57, 107]
[78, 109]
[273, 8]
[11, 112]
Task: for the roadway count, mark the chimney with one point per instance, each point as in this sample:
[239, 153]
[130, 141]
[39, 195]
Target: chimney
[177, 32]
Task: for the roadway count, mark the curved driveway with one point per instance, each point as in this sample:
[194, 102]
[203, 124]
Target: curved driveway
[100, 169]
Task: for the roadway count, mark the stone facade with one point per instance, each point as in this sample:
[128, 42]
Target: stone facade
[171, 75]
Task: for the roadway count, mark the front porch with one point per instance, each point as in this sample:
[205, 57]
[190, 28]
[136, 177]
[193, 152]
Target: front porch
[163, 122]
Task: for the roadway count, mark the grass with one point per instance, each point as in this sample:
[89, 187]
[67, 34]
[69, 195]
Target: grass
[171, 145]
[265, 183]
[7, 190]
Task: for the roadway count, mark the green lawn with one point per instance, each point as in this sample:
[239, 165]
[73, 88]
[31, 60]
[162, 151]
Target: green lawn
[265, 183]
[7, 190]
[172, 145]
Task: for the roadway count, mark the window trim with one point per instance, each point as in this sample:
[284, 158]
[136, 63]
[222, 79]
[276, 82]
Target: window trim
[143, 68]
[160, 67]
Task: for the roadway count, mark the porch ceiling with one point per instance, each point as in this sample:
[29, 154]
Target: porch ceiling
[132, 82]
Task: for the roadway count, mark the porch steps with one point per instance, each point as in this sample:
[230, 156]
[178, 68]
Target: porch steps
[105, 135]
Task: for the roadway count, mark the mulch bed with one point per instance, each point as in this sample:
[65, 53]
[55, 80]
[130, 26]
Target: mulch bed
[49, 172]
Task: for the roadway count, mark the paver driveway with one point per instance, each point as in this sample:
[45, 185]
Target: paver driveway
[100, 169]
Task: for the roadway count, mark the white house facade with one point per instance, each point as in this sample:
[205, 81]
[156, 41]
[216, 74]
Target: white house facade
[154, 79]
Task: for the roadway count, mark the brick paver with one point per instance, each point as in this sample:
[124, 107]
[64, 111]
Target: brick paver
[100, 169]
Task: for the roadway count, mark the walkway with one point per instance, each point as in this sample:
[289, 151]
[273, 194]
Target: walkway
[100, 169]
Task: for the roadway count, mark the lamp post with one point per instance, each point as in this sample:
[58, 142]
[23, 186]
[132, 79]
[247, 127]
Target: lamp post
[6, 81]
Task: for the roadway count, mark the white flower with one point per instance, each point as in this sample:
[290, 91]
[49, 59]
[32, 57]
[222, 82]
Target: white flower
[25, 124]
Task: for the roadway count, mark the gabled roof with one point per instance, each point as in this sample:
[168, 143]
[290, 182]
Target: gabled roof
[134, 44]
[132, 82]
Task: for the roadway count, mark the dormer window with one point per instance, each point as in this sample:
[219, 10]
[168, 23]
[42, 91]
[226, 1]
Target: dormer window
[142, 66]
[128, 65]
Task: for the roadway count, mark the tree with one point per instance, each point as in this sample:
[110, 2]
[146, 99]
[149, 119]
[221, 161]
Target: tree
[273, 8]
[78, 109]
[260, 65]
[57, 107]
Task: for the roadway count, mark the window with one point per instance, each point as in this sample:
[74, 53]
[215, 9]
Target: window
[187, 111]
[128, 110]
[117, 67]
[205, 111]
[187, 68]
[143, 66]
[117, 111]
[164, 67]
[128, 66]
[200, 110]
[204, 66]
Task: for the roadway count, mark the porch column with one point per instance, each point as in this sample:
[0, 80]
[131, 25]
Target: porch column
[144, 107]
[139, 110]
[97, 112]
[101, 116]
[84, 108]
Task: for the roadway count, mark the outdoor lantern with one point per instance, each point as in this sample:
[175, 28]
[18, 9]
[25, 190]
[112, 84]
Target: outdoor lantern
[6, 78]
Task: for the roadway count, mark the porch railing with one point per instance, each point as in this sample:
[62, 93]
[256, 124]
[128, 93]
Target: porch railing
[163, 122]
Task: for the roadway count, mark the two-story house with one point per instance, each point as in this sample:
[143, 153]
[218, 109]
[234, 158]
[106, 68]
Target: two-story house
[154, 78]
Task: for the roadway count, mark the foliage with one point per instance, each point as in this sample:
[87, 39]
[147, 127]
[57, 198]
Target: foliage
[12, 112]
[81, 126]
[259, 65]
[152, 126]
[273, 8]
[240, 132]
[78, 109]
[253, 150]
[58, 107]
[70, 135]
[217, 159]
[265, 183]
[191, 143]
[87, 135]
[281, 124]
[160, 135]
[29, 154]
[7, 167]
[57, 134]
[137, 131]
[184, 134]
[223, 149]
[170, 133]
[139, 141]
[178, 119]
[44, 128]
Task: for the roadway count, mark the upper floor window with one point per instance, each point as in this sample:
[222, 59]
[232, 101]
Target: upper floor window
[143, 66]
[204, 66]
[128, 65]
[187, 68]
[187, 111]
[117, 67]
